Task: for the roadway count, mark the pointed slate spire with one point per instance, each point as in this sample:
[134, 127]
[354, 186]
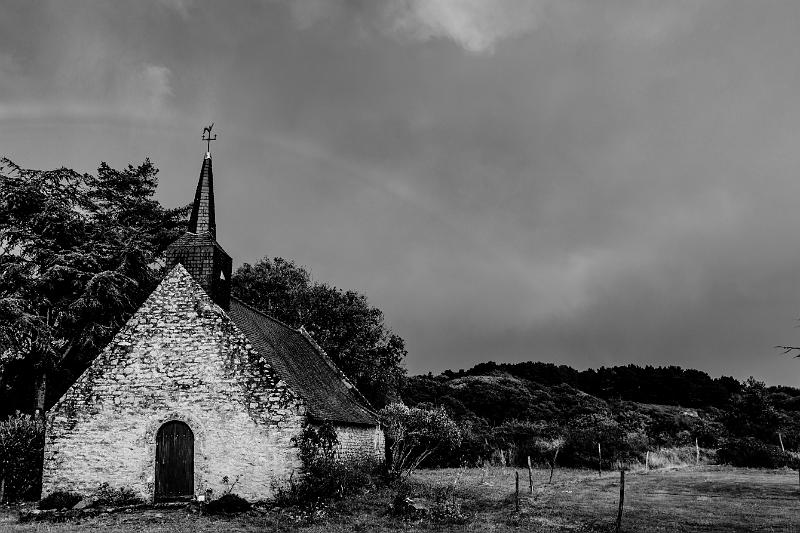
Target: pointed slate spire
[197, 249]
[203, 217]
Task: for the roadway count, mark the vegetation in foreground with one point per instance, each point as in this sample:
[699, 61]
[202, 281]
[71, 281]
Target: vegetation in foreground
[707, 498]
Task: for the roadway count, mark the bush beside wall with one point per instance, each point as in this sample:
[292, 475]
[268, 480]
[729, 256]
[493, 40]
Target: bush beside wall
[21, 445]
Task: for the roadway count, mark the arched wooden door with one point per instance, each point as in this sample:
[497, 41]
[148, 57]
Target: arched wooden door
[174, 461]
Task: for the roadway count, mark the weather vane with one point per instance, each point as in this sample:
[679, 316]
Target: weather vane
[208, 138]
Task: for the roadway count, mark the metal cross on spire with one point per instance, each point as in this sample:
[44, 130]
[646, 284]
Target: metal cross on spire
[208, 138]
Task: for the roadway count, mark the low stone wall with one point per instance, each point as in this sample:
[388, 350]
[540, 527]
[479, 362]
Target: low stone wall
[360, 442]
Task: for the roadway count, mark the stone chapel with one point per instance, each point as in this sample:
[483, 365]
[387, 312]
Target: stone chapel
[198, 386]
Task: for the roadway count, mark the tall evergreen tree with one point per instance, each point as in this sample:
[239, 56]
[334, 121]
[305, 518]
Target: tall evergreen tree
[77, 256]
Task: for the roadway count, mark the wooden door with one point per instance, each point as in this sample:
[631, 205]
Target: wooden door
[174, 462]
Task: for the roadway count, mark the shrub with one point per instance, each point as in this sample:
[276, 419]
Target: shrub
[317, 446]
[750, 452]
[228, 503]
[21, 448]
[414, 433]
[106, 495]
[324, 475]
[449, 511]
[677, 456]
[342, 479]
[751, 413]
[474, 445]
[287, 492]
[583, 435]
[522, 439]
[60, 500]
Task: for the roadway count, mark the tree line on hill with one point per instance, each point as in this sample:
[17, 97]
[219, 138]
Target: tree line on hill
[508, 412]
[670, 385]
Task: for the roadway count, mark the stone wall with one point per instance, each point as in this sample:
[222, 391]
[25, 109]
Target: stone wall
[206, 261]
[178, 358]
[360, 442]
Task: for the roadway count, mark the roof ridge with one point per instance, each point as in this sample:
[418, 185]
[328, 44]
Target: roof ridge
[262, 313]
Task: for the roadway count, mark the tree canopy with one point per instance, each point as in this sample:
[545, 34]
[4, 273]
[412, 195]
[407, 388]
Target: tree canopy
[752, 412]
[342, 322]
[77, 257]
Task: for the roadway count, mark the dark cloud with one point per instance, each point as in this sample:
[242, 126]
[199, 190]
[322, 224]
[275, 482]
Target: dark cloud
[576, 181]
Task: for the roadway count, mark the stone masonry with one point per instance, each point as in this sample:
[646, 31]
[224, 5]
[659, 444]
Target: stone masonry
[206, 261]
[360, 442]
[179, 358]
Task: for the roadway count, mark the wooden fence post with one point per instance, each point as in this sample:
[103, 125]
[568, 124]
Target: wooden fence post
[697, 450]
[516, 475]
[647, 461]
[599, 459]
[780, 439]
[530, 475]
[621, 498]
[553, 466]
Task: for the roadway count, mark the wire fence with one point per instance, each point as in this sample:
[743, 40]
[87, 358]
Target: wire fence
[704, 498]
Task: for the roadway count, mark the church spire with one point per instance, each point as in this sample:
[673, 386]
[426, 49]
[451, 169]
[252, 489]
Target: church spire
[197, 249]
[203, 217]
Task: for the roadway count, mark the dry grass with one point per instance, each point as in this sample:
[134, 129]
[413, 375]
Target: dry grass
[706, 498]
[689, 499]
[679, 457]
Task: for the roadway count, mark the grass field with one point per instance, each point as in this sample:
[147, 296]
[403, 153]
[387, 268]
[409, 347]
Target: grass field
[689, 499]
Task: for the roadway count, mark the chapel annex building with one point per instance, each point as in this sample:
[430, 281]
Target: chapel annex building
[198, 386]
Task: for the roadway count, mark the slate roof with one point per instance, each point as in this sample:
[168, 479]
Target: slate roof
[304, 367]
[202, 218]
[189, 239]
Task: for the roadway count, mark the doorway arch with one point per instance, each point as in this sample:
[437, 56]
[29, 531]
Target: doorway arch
[174, 479]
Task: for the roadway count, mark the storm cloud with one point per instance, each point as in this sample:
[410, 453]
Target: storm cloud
[582, 182]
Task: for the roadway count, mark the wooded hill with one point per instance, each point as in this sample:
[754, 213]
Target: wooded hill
[532, 408]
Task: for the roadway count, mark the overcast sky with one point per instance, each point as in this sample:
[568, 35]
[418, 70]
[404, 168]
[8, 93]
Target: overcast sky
[583, 182]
